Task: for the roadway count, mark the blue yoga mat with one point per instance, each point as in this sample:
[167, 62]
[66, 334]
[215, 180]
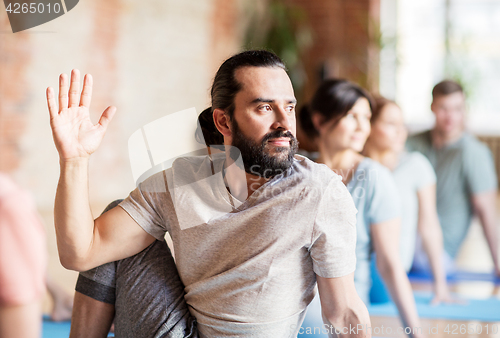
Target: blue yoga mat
[485, 310]
[52, 329]
[457, 276]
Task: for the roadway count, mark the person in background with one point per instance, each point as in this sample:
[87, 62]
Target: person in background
[466, 179]
[23, 263]
[338, 119]
[416, 182]
[23, 259]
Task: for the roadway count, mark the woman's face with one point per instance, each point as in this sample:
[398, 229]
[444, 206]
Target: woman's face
[352, 130]
[389, 131]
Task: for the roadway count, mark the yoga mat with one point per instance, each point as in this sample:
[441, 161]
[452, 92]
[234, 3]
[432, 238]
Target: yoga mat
[52, 329]
[485, 310]
[457, 276]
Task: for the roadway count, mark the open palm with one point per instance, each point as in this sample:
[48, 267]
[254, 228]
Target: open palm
[74, 134]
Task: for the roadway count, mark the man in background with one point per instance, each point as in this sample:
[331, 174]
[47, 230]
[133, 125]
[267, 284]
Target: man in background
[466, 178]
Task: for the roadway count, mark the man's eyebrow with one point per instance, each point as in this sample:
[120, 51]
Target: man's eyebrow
[263, 100]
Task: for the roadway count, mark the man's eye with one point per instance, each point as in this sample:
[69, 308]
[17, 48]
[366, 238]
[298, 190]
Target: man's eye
[265, 108]
[290, 108]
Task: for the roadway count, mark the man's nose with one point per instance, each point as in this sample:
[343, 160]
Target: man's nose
[282, 120]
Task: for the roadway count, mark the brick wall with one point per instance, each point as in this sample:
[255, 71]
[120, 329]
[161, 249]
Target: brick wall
[147, 60]
[344, 44]
[14, 55]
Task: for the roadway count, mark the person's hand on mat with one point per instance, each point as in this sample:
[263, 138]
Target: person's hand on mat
[74, 134]
[497, 271]
[443, 296]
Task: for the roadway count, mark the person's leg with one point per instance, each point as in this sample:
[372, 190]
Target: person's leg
[144, 292]
[150, 296]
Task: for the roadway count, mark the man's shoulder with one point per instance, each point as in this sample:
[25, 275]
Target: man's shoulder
[184, 170]
[472, 143]
[474, 152]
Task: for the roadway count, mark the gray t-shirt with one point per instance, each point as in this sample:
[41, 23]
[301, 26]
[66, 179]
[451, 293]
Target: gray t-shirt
[462, 169]
[413, 173]
[376, 197]
[249, 270]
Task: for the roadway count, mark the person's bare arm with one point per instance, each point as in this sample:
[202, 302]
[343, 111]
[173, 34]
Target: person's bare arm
[342, 308]
[432, 240]
[385, 237]
[484, 205]
[82, 242]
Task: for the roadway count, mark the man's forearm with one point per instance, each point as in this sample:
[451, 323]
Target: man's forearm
[72, 215]
[490, 232]
[400, 289]
[485, 209]
[432, 240]
[353, 323]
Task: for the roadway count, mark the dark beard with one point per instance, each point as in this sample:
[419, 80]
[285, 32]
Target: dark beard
[256, 159]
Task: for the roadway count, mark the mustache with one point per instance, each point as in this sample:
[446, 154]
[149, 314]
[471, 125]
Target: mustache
[278, 134]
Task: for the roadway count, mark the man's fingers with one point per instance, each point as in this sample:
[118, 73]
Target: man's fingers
[51, 102]
[63, 91]
[107, 116]
[87, 91]
[74, 89]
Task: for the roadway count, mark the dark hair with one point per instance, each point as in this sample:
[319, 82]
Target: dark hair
[446, 87]
[379, 102]
[209, 134]
[225, 87]
[332, 100]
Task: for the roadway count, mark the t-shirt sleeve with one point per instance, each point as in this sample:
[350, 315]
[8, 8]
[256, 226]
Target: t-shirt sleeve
[384, 203]
[480, 169]
[423, 171]
[148, 205]
[334, 233]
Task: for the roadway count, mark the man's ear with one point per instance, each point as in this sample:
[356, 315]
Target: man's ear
[222, 122]
[433, 107]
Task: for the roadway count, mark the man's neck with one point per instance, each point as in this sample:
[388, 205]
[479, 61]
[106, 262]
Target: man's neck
[441, 139]
[240, 183]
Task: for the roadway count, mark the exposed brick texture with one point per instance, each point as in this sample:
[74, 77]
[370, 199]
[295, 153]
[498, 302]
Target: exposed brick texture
[14, 55]
[344, 44]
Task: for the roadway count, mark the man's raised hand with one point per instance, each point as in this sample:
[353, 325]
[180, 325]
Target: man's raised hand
[74, 134]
